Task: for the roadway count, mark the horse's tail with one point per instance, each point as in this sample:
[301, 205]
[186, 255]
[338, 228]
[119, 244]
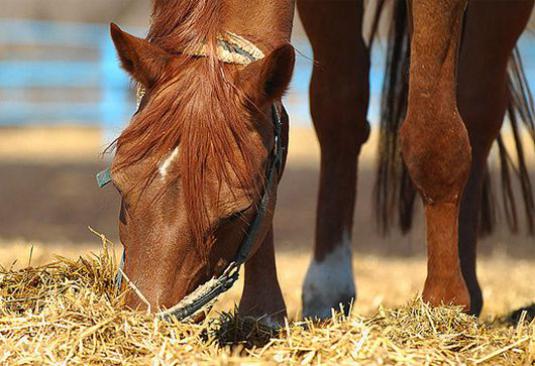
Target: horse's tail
[521, 113]
[394, 191]
[393, 188]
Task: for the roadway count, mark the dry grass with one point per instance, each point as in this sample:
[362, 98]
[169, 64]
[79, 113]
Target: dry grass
[68, 312]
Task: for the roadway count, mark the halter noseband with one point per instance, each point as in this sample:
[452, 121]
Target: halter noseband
[231, 48]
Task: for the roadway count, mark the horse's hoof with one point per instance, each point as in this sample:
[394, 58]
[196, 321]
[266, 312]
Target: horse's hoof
[452, 291]
[321, 309]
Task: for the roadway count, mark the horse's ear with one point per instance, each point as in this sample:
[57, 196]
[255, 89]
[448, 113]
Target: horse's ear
[141, 59]
[267, 79]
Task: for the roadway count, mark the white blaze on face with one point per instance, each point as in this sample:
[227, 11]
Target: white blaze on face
[166, 164]
[329, 282]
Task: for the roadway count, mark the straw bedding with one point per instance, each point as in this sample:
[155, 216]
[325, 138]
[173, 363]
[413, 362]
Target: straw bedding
[68, 312]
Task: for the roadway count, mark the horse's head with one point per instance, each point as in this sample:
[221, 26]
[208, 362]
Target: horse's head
[191, 166]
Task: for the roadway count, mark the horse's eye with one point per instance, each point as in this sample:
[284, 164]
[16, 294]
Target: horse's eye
[237, 215]
[234, 217]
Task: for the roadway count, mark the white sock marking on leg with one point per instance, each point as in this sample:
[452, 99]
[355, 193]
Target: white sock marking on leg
[329, 281]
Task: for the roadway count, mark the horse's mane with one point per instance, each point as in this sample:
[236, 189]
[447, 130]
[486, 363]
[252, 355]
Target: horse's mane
[199, 109]
[185, 23]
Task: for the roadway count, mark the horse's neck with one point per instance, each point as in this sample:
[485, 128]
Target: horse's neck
[267, 22]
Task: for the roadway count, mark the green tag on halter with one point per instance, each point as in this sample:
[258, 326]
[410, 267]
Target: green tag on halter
[104, 177]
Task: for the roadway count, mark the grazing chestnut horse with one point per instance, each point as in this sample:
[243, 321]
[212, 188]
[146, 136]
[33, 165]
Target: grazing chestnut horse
[191, 166]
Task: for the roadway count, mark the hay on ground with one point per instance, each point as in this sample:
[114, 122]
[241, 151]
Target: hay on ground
[69, 312]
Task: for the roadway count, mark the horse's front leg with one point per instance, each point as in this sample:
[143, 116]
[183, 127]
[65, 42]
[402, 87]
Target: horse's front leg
[435, 144]
[339, 92]
[262, 296]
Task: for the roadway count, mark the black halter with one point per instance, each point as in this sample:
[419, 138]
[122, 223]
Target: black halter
[215, 287]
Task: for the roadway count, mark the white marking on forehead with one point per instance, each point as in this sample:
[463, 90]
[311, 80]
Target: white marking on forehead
[329, 282]
[166, 164]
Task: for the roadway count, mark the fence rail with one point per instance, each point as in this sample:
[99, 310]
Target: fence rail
[38, 57]
[61, 58]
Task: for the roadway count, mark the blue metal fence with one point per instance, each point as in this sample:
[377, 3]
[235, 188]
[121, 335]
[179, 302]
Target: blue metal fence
[53, 56]
[29, 59]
